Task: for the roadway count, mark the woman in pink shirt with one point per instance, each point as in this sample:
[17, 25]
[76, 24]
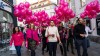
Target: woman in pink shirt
[17, 39]
[33, 39]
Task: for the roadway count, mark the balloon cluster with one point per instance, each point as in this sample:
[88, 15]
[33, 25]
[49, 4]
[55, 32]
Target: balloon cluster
[63, 11]
[55, 19]
[22, 11]
[91, 10]
[42, 16]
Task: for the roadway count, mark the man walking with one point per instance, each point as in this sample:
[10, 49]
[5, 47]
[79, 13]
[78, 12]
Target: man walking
[80, 40]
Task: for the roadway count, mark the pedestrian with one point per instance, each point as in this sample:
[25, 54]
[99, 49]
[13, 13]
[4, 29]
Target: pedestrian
[26, 44]
[62, 32]
[21, 28]
[87, 29]
[53, 37]
[80, 39]
[44, 40]
[70, 39]
[33, 39]
[18, 39]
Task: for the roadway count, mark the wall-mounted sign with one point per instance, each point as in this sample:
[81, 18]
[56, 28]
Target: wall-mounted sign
[5, 6]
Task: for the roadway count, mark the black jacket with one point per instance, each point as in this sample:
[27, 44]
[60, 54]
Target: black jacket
[79, 29]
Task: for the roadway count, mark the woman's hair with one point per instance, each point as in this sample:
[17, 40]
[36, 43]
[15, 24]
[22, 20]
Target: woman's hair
[61, 23]
[28, 26]
[78, 20]
[33, 26]
[14, 31]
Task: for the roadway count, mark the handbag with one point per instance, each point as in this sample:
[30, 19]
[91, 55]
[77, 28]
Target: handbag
[32, 43]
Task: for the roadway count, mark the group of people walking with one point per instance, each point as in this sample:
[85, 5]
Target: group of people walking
[51, 36]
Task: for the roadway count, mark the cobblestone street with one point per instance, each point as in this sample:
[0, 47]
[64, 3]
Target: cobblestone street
[94, 50]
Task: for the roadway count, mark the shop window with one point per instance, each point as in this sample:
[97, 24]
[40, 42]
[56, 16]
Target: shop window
[83, 2]
[98, 24]
[6, 26]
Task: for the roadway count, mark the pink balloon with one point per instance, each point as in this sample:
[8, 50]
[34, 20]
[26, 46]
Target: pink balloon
[98, 8]
[67, 17]
[69, 11]
[66, 4]
[72, 15]
[58, 21]
[82, 15]
[29, 12]
[16, 7]
[39, 13]
[28, 19]
[60, 13]
[52, 18]
[27, 4]
[62, 2]
[65, 9]
[23, 12]
[39, 18]
[36, 23]
[33, 18]
[61, 7]
[20, 19]
[88, 7]
[45, 24]
[93, 12]
[43, 16]
[42, 12]
[21, 6]
[56, 9]
[17, 13]
[46, 15]
[24, 22]
[43, 19]
[90, 16]
[94, 4]
[86, 12]
[35, 13]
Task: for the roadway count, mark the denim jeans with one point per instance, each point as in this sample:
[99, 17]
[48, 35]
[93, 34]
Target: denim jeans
[18, 50]
[70, 41]
[52, 48]
[63, 47]
[82, 43]
[32, 52]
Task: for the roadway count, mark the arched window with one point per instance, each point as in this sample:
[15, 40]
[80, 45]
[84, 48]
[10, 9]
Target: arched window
[83, 2]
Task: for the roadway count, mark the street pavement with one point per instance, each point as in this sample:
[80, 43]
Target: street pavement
[94, 50]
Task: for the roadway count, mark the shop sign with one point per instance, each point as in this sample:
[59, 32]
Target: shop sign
[5, 6]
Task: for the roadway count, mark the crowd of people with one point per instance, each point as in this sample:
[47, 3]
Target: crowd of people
[74, 36]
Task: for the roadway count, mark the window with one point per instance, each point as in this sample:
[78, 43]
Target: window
[83, 2]
[6, 26]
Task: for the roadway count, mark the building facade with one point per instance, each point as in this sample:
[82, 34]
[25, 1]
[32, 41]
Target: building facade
[46, 5]
[7, 22]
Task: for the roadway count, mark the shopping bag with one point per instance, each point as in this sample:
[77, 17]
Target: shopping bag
[12, 49]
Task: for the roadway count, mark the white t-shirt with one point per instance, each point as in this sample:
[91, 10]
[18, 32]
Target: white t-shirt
[52, 30]
[87, 29]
